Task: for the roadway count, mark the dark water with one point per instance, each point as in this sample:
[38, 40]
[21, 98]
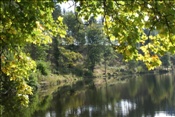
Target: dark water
[141, 96]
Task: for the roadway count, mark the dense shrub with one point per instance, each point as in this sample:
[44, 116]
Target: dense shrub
[33, 81]
[43, 67]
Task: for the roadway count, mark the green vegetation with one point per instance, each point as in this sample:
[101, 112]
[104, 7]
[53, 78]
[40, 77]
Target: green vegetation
[43, 67]
[38, 39]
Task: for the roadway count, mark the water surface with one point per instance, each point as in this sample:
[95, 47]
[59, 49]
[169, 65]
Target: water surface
[141, 96]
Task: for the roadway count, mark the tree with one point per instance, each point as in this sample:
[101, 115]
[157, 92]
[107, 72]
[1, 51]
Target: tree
[124, 21]
[64, 55]
[23, 23]
[75, 28]
[109, 54]
[95, 40]
[37, 52]
[166, 62]
[57, 12]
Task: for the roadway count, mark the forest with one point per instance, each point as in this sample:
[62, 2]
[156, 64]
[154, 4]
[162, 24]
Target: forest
[40, 41]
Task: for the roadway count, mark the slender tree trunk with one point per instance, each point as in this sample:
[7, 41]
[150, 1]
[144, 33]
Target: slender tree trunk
[105, 67]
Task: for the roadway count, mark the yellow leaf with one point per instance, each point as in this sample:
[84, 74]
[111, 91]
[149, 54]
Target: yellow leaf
[60, 19]
[18, 0]
[112, 38]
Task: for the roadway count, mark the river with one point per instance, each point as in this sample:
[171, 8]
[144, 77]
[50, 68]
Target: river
[140, 96]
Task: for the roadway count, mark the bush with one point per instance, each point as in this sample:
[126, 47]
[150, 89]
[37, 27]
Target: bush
[33, 81]
[78, 70]
[43, 67]
[88, 73]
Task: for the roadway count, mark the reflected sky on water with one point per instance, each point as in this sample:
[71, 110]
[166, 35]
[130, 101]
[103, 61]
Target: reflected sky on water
[141, 96]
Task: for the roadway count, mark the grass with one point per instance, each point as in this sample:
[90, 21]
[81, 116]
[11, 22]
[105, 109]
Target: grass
[52, 80]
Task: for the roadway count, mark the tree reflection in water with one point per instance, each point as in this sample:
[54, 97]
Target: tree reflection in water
[148, 95]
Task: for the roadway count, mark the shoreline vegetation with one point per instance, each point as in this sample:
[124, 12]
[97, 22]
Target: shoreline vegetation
[98, 78]
[53, 80]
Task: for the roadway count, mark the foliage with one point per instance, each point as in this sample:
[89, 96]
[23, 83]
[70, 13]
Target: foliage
[62, 57]
[37, 52]
[43, 67]
[61, 53]
[33, 81]
[166, 60]
[23, 23]
[75, 28]
[15, 70]
[124, 22]
[95, 39]
[93, 56]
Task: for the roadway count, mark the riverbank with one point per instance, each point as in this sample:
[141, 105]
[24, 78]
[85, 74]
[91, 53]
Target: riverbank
[53, 80]
[124, 70]
[99, 77]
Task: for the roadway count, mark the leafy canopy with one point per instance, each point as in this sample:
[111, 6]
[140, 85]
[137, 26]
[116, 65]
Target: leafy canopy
[125, 21]
[23, 22]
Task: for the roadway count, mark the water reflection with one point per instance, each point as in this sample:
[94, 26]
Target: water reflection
[163, 114]
[151, 95]
[122, 107]
[10, 106]
[141, 96]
